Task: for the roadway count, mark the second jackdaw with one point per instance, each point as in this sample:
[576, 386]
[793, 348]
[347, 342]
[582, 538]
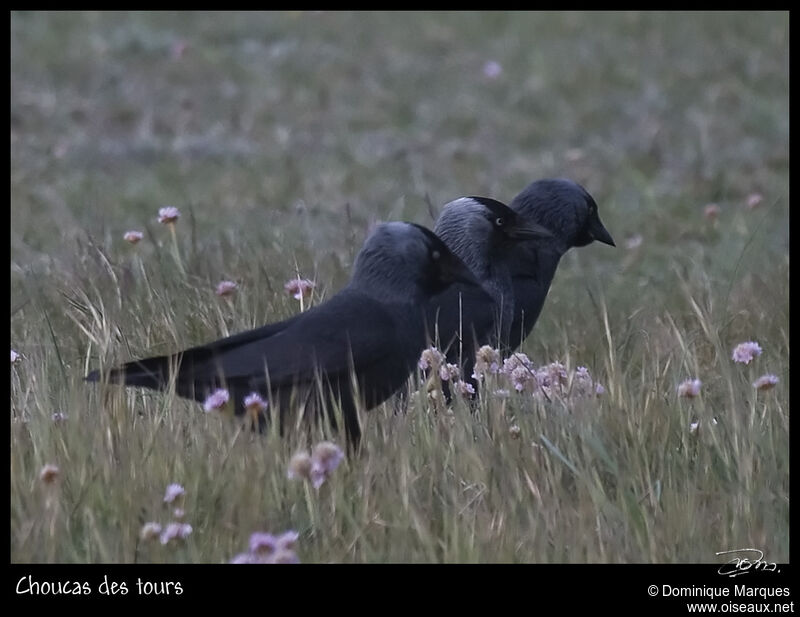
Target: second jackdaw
[484, 233]
[570, 213]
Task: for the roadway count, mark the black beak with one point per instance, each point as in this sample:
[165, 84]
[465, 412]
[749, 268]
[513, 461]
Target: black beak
[598, 232]
[453, 270]
[529, 231]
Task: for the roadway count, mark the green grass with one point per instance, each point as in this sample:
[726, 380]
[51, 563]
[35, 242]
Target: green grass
[282, 137]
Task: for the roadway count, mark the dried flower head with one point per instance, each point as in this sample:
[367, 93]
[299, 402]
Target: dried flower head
[175, 531]
[149, 531]
[694, 426]
[431, 358]
[515, 361]
[328, 454]
[49, 473]
[745, 352]
[765, 382]
[226, 288]
[300, 466]
[514, 430]
[217, 400]
[299, 288]
[711, 212]
[487, 361]
[449, 371]
[173, 492]
[134, 237]
[754, 200]
[325, 458]
[690, 388]
[168, 215]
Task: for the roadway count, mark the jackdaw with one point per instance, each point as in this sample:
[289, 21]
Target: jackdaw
[484, 233]
[359, 346]
[570, 213]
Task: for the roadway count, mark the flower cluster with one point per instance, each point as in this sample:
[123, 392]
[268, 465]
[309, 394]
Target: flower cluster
[267, 548]
[318, 466]
[174, 530]
[515, 373]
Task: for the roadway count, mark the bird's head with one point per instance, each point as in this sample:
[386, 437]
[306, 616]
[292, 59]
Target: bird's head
[566, 209]
[476, 227]
[409, 260]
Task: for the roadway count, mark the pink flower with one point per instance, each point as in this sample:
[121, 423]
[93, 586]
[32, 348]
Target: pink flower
[149, 531]
[134, 237]
[634, 242]
[216, 400]
[168, 215]
[263, 543]
[49, 473]
[299, 288]
[711, 212]
[254, 404]
[514, 430]
[266, 548]
[179, 513]
[690, 388]
[765, 382]
[754, 200]
[466, 388]
[173, 492]
[59, 417]
[492, 69]
[226, 288]
[599, 389]
[521, 377]
[175, 531]
[744, 352]
[15, 357]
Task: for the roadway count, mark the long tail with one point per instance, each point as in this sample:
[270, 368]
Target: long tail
[148, 373]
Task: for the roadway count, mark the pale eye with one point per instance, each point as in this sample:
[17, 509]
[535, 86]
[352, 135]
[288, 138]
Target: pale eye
[435, 255]
[499, 221]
